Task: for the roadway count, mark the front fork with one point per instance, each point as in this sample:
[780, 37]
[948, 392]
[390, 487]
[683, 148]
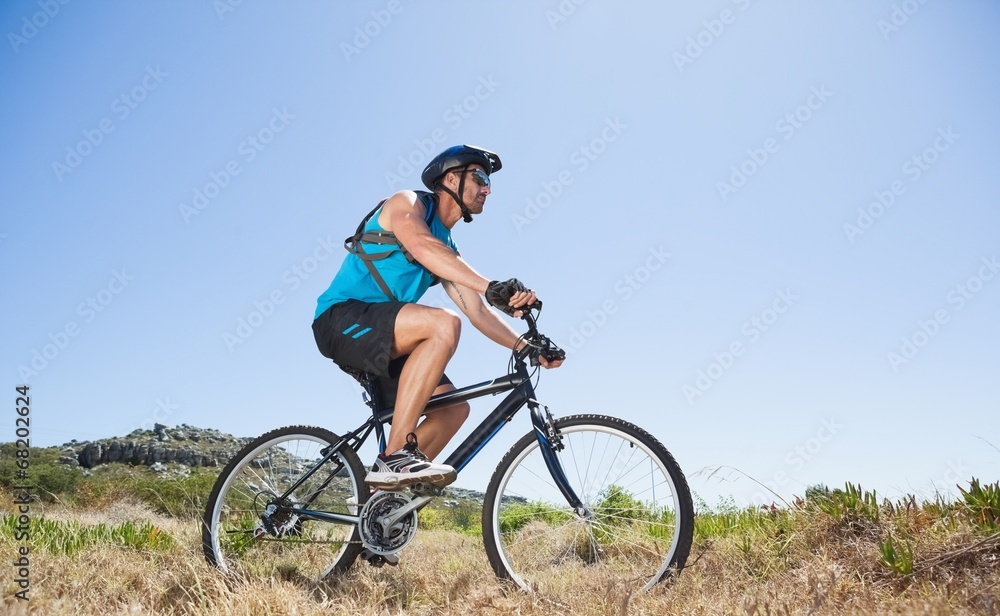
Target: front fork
[550, 443]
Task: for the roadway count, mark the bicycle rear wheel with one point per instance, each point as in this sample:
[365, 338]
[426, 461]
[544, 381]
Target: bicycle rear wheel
[640, 522]
[240, 535]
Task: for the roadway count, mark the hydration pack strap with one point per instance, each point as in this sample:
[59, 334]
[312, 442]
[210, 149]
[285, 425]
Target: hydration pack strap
[355, 243]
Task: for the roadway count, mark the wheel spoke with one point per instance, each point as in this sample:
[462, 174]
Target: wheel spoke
[641, 518]
[235, 535]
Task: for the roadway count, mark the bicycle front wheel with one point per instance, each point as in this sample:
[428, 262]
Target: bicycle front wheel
[639, 522]
[248, 529]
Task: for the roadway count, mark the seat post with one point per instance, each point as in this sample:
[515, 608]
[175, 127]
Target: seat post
[370, 383]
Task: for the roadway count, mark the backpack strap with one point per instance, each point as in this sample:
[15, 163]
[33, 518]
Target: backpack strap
[355, 243]
[430, 202]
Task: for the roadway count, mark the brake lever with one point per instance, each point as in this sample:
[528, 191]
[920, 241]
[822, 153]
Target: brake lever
[547, 349]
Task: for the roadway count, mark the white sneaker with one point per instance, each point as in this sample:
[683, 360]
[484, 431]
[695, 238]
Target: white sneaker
[406, 467]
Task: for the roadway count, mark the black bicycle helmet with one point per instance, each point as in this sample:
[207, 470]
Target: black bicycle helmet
[456, 157]
[459, 156]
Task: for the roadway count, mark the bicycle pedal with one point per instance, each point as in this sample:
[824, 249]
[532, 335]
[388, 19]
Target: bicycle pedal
[380, 560]
[426, 489]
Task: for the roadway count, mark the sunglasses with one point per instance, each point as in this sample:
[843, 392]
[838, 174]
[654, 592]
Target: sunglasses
[479, 177]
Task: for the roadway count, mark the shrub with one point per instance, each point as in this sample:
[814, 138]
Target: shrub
[851, 507]
[46, 475]
[982, 505]
[68, 538]
[516, 516]
[464, 517]
[174, 496]
[898, 558]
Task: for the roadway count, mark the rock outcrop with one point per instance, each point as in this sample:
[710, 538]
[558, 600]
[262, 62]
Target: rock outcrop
[184, 444]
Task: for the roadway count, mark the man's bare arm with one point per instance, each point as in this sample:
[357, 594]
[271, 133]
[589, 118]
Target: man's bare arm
[403, 215]
[481, 315]
[487, 320]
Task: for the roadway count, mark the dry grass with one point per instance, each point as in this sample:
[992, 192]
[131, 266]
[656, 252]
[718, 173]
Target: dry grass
[795, 563]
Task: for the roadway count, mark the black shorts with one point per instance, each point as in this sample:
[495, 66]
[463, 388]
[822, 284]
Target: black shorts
[358, 335]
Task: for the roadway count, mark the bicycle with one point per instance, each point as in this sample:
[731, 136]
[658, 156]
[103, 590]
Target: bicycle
[583, 497]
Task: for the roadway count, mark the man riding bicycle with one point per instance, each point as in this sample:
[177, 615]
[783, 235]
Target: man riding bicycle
[368, 319]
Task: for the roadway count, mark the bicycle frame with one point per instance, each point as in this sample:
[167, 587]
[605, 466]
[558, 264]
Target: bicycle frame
[521, 393]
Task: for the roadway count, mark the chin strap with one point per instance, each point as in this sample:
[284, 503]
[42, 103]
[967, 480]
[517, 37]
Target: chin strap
[466, 214]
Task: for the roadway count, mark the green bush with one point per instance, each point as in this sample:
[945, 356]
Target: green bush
[897, 557]
[174, 496]
[465, 517]
[982, 505]
[68, 538]
[618, 507]
[851, 507]
[516, 516]
[49, 479]
[711, 525]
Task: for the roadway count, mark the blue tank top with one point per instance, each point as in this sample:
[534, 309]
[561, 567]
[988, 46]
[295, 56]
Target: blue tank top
[407, 281]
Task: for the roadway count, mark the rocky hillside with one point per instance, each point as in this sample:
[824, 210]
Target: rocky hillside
[183, 444]
[175, 452]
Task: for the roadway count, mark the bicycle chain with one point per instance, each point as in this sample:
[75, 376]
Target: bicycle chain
[418, 490]
[317, 541]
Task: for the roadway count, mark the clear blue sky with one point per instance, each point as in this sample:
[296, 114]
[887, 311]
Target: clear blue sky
[765, 231]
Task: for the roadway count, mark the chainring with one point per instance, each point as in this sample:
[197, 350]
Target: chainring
[375, 534]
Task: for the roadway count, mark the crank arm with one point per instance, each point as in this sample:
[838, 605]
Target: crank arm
[414, 505]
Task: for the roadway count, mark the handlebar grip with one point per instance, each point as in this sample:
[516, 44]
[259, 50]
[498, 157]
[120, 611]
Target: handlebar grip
[498, 295]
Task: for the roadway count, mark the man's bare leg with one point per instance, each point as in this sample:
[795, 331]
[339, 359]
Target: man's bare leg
[440, 425]
[430, 337]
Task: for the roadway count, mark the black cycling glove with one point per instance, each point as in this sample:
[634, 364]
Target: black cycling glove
[498, 294]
